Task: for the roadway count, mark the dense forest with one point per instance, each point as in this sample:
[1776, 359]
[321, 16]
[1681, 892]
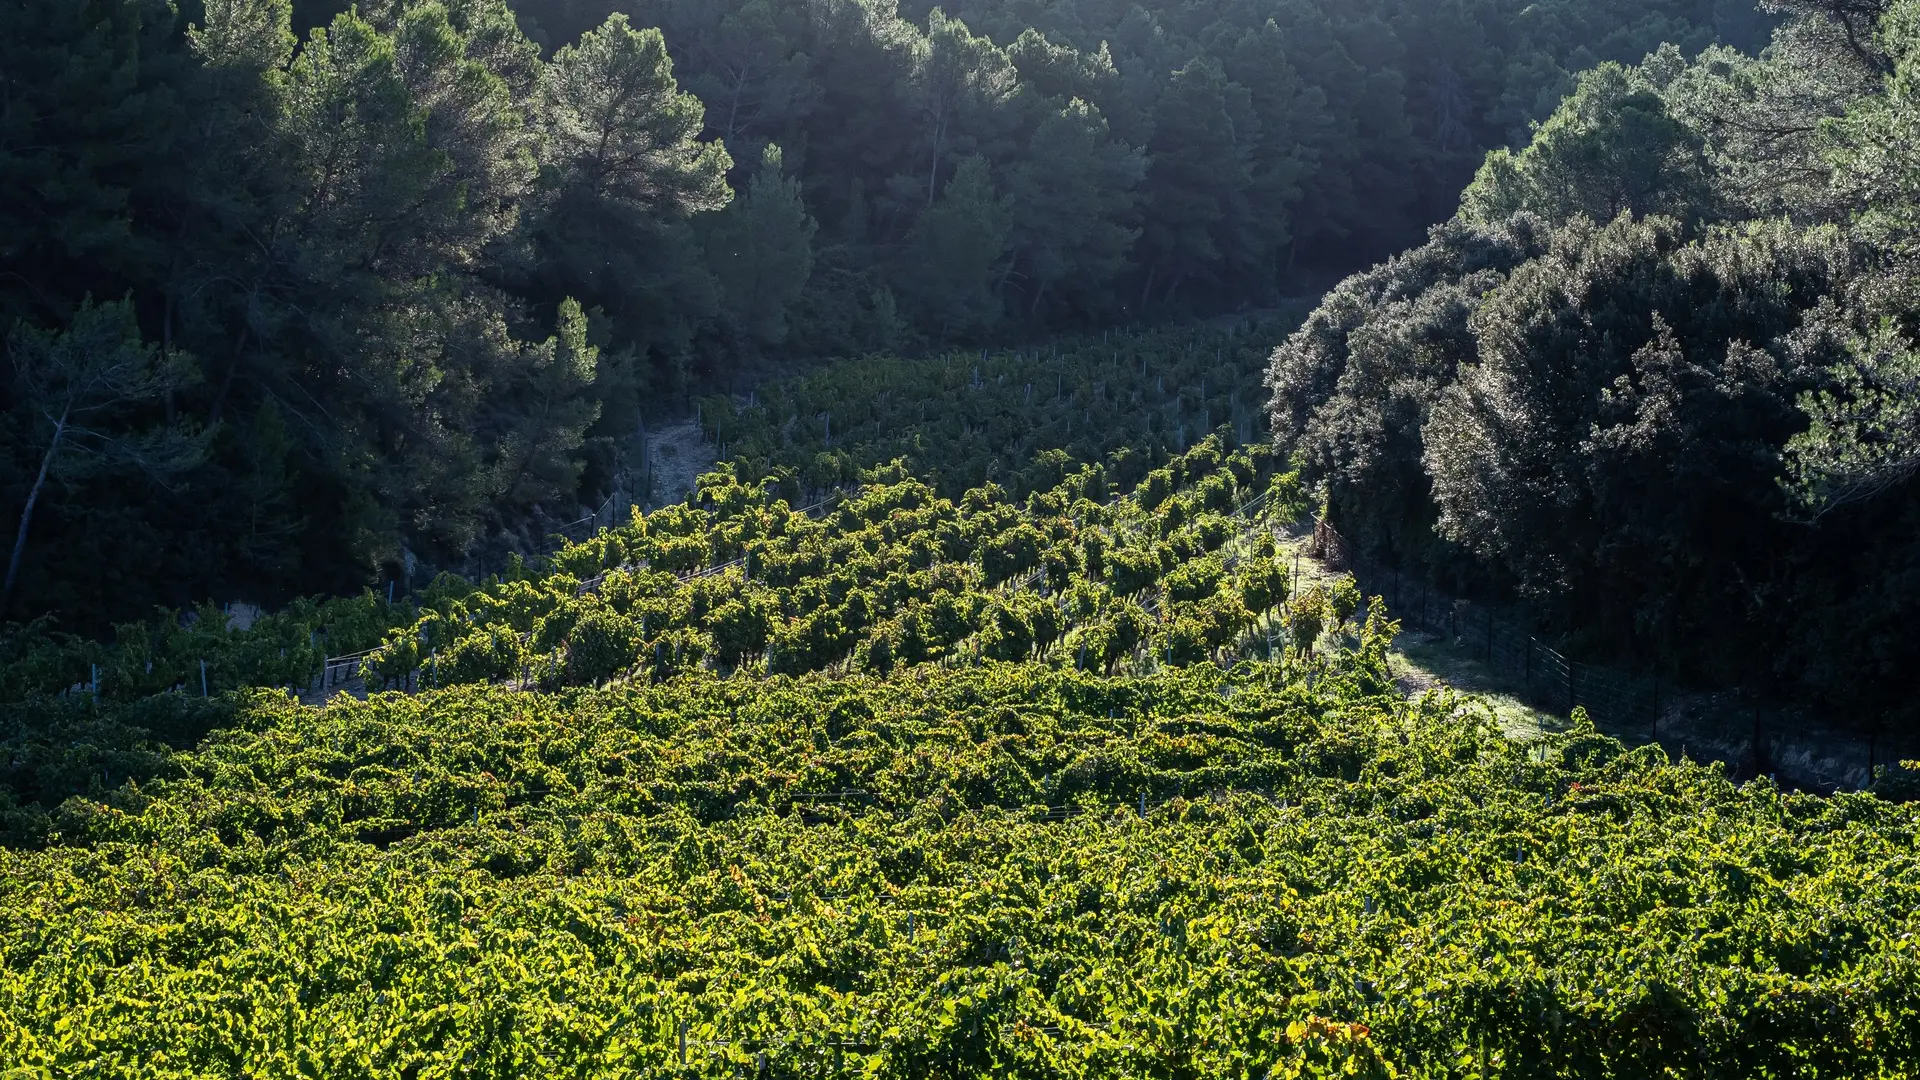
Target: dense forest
[1658, 378]
[295, 295]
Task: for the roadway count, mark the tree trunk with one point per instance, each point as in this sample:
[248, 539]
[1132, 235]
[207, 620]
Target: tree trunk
[733, 106]
[933, 169]
[33, 496]
[166, 347]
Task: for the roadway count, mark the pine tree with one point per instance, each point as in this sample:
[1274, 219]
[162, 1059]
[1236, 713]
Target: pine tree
[1074, 198]
[624, 168]
[760, 250]
[84, 390]
[954, 256]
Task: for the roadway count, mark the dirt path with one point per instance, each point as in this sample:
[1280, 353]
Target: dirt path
[676, 454]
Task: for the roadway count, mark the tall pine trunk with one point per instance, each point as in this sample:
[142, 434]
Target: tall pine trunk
[33, 496]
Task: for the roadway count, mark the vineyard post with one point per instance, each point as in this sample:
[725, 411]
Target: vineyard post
[683, 1042]
[1489, 639]
[1570, 667]
[203, 678]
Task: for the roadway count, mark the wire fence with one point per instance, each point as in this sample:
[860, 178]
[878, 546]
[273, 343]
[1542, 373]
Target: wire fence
[1753, 736]
[608, 515]
[1539, 674]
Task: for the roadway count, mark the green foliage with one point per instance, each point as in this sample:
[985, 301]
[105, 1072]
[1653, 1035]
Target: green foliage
[993, 759]
[1685, 435]
[1875, 167]
[891, 574]
[1325, 883]
[365, 222]
[344, 234]
[760, 249]
[1307, 617]
[962, 420]
[1863, 438]
[1354, 386]
[954, 255]
[80, 389]
[625, 169]
[1611, 148]
[167, 653]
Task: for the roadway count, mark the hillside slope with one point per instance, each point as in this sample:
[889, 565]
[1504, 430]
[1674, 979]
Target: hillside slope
[1076, 783]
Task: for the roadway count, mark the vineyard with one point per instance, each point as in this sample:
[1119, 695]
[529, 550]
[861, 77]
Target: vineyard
[960, 421]
[999, 743]
[1124, 406]
[1011, 870]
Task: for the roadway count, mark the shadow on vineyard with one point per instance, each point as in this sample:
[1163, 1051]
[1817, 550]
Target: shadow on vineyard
[1491, 650]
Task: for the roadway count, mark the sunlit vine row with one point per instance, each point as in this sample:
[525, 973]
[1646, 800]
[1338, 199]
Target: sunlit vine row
[1182, 569]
